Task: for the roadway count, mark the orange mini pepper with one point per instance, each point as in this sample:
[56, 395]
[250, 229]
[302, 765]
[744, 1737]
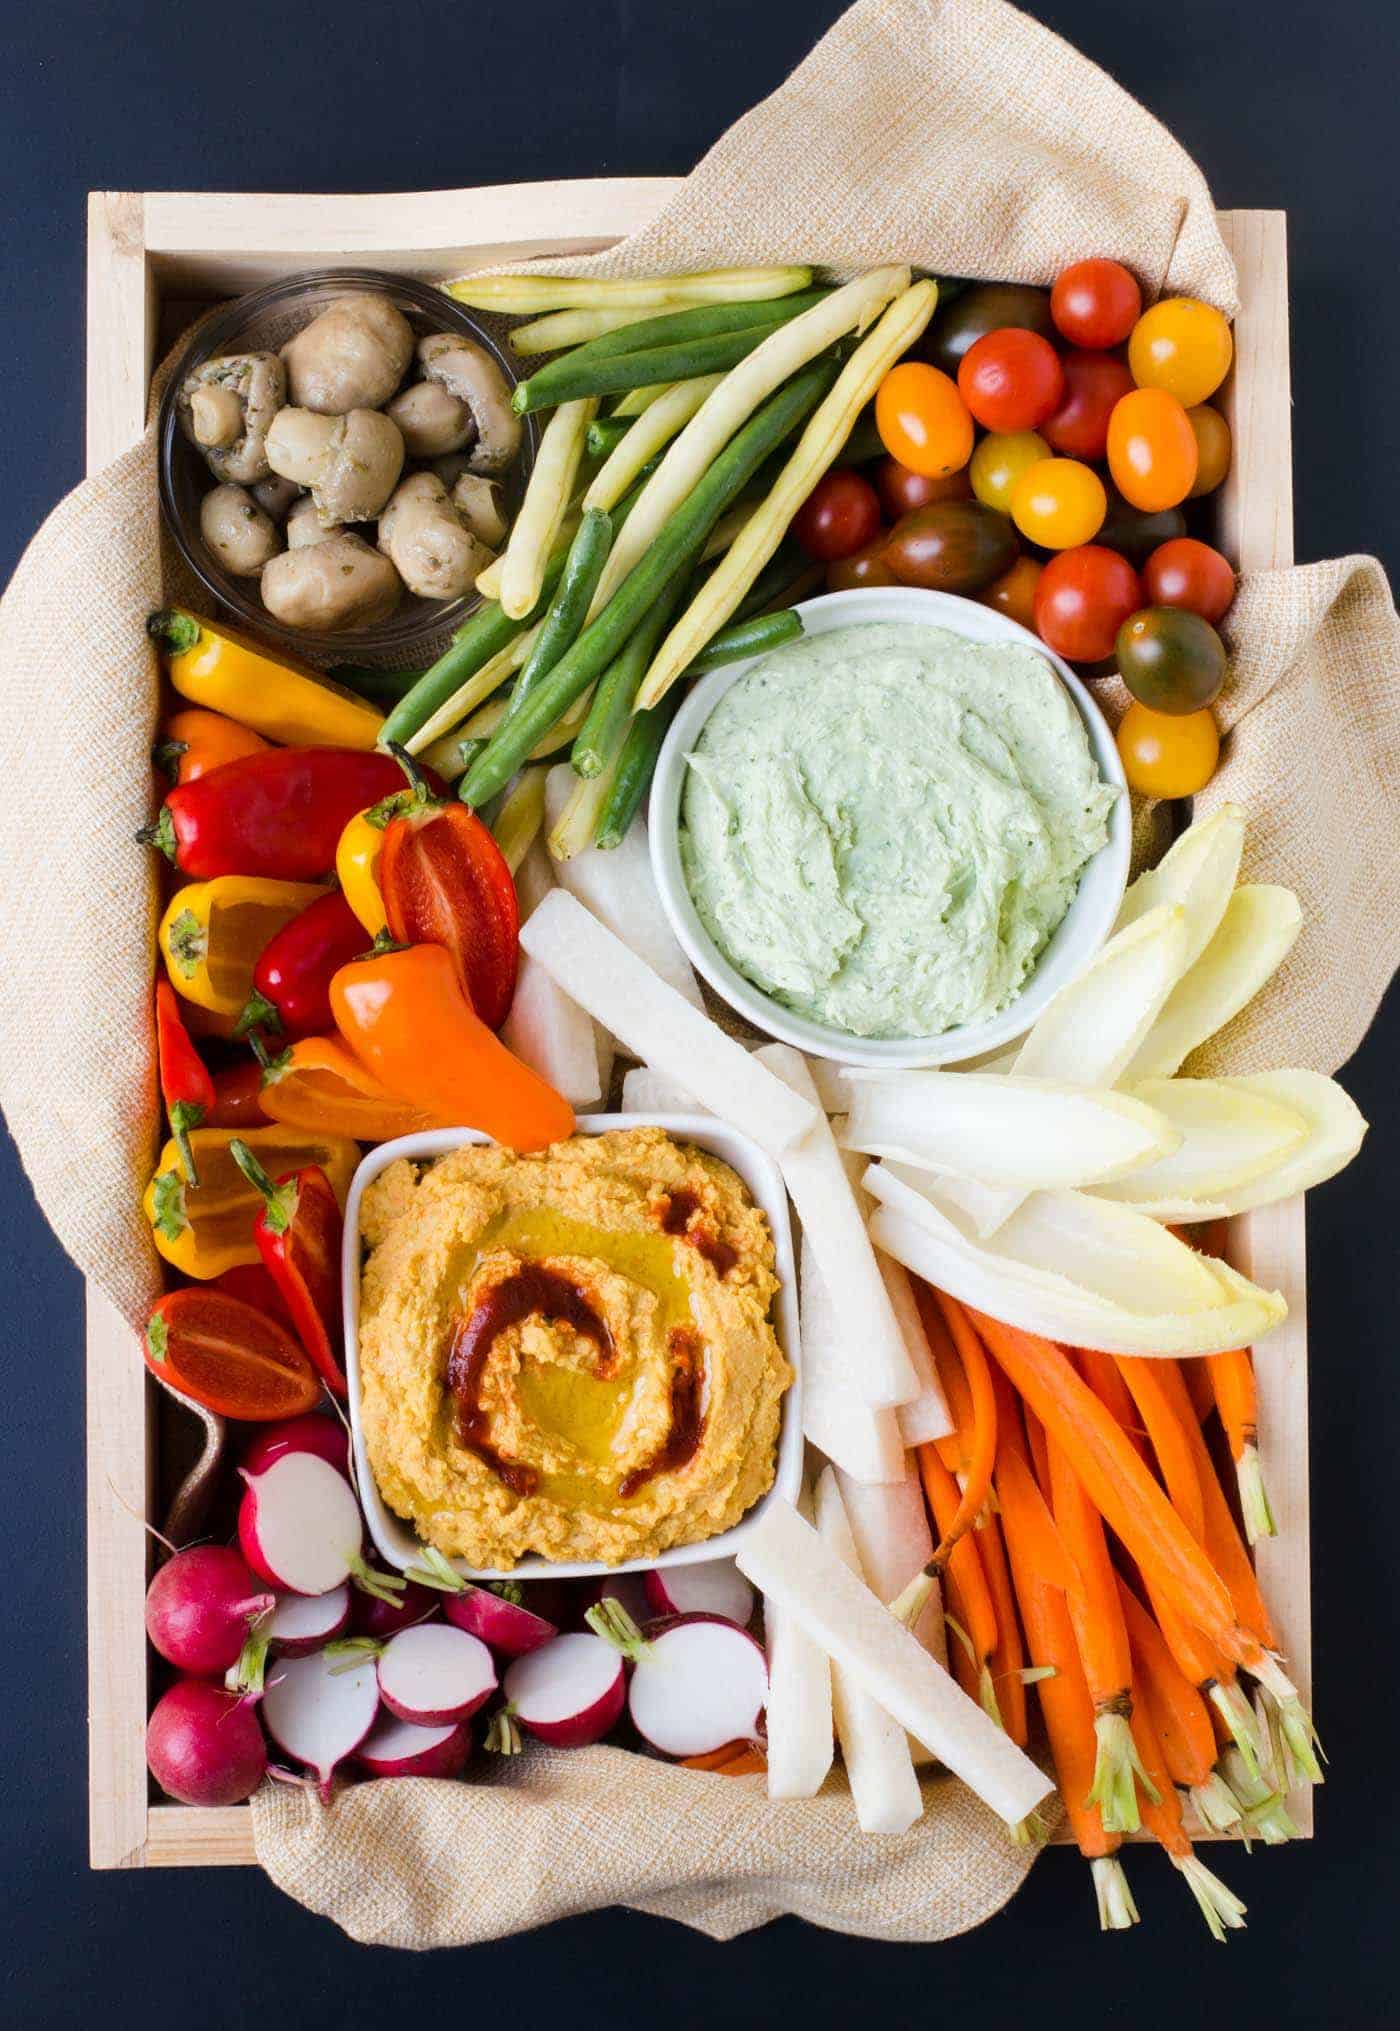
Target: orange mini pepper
[194, 741]
[319, 1085]
[404, 1015]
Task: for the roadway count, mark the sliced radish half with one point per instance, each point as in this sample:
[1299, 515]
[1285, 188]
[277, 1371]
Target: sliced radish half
[697, 1683]
[320, 1708]
[715, 1587]
[499, 1619]
[568, 1692]
[304, 1622]
[398, 1748]
[299, 1524]
[435, 1673]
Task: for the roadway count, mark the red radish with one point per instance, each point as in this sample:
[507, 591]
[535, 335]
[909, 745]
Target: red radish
[374, 1616]
[714, 1587]
[435, 1673]
[200, 1607]
[499, 1618]
[568, 1692]
[299, 1526]
[204, 1745]
[310, 1433]
[400, 1749]
[297, 1625]
[629, 1590]
[697, 1681]
[320, 1709]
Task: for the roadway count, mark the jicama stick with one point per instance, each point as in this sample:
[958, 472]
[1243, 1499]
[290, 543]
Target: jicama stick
[515, 295]
[544, 1027]
[889, 1522]
[864, 1442]
[547, 494]
[1232, 1382]
[925, 1416]
[655, 427]
[799, 1717]
[1220, 1907]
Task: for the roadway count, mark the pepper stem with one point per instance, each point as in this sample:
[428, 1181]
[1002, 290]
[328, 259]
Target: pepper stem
[176, 631]
[610, 1620]
[257, 1013]
[185, 1115]
[1118, 1771]
[417, 781]
[280, 1200]
[161, 835]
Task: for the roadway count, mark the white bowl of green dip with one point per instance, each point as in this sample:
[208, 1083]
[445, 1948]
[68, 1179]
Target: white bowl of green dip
[892, 841]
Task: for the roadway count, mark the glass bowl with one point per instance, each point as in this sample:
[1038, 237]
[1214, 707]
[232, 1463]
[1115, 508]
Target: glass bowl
[264, 321]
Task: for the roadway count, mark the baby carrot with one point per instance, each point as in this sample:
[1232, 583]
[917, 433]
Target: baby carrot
[1103, 1376]
[1171, 1440]
[1199, 1388]
[956, 1450]
[1008, 1659]
[1232, 1380]
[1161, 1814]
[969, 1596]
[1178, 1712]
[976, 1444]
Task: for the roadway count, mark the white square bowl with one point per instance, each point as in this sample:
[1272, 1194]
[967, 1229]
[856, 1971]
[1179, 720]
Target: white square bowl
[394, 1539]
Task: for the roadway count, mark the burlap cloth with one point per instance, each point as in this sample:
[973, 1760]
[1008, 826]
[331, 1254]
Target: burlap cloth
[961, 137]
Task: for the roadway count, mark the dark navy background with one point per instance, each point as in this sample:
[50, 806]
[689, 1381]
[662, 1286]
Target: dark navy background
[1288, 104]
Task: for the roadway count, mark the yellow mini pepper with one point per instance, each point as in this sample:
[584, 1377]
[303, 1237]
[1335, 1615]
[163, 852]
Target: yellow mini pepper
[289, 702]
[357, 868]
[213, 933]
[204, 1229]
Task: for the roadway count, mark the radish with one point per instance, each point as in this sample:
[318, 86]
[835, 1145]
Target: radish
[200, 1607]
[697, 1681]
[568, 1693]
[310, 1433]
[496, 1614]
[400, 1749]
[374, 1616]
[297, 1625]
[204, 1745]
[299, 1526]
[715, 1587]
[434, 1673]
[629, 1590]
[320, 1709]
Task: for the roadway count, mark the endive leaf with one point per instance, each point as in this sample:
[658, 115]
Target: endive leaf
[1199, 872]
[1226, 1137]
[1251, 942]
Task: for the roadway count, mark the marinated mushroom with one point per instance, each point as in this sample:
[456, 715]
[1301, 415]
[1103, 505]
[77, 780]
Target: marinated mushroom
[254, 385]
[352, 356]
[299, 444]
[434, 553]
[433, 420]
[304, 525]
[237, 531]
[339, 583]
[481, 503]
[275, 496]
[470, 373]
[351, 463]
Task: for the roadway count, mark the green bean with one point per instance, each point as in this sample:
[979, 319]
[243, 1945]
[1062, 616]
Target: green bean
[384, 688]
[753, 637]
[582, 569]
[572, 379]
[601, 733]
[699, 321]
[787, 564]
[605, 433]
[487, 632]
[636, 766]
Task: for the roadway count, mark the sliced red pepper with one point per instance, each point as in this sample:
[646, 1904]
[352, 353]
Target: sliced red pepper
[445, 882]
[279, 813]
[298, 1234]
[185, 1084]
[238, 1097]
[228, 1356]
[292, 979]
[252, 1283]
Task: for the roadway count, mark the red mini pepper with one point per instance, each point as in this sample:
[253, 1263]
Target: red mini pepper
[292, 979]
[185, 1084]
[298, 1236]
[238, 1100]
[251, 1283]
[279, 813]
[445, 882]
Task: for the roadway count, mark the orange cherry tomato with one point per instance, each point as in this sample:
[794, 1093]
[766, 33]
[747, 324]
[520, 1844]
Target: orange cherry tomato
[1168, 754]
[1011, 379]
[999, 461]
[1213, 448]
[1186, 573]
[922, 419]
[1151, 450]
[1013, 594]
[1059, 503]
[1095, 303]
[1181, 345]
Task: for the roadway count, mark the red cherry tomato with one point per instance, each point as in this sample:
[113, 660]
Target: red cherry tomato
[1011, 380]
[862, 567]
[1082, 600]
[902, 490]
[1094, 382]
[1095, 303]
[1185, 573]
[838, 517]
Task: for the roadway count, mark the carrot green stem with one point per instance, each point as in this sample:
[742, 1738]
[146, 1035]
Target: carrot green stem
[1220, 1907]
[1254, 1496]
[910, 1605]
[1263, 1811]
[1290, 1721]
[1118, 1771]
[1117, 1910]
[1237, 1714]
[1215, 1805]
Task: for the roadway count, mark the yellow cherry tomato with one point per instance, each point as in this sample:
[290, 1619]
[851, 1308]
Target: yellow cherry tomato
[1183, 346]
[999, 462]
[1059, 503]
[1168, 754]
[922, 419]
[1213, 448]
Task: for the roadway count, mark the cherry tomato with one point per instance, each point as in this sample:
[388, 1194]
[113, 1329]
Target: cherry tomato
[1183, 346]
[998, 463]
[1011, 380]
[1135, 534]
[1094, 383]
[1171, 660]
[1168, 754]
[1212, 448]
[1082, 600]
[862, 567]
[951, 546]
[1013, 594]
[986, 306]
[1151, 449]
[1189, 574]
[838, 517]
[1059, 504]
[922, 419]
[1095, 303]
[901, 489]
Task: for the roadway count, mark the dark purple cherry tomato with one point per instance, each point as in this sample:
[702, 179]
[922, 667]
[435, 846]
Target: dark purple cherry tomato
[1170, 659]
[839, 516]
[951, 546]
[986, 306]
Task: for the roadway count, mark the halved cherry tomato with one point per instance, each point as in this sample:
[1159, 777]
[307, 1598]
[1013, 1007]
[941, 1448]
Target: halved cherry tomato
[1212, 434]
[1181, 345]
[902, 490]
[1059, 503]
[1011, 380]
[1083, 598]
[229, 1356]
[1013, 594]
[999, 461]
[922, 419]
[1190, 574]
[866, 567]
[1151, 449]
[1094, 383]
[838, 517]
[1171, 660]
[1168, 754]
[1095, 303]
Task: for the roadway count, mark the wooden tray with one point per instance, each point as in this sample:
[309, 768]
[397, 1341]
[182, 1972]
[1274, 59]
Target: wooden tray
[152, 257]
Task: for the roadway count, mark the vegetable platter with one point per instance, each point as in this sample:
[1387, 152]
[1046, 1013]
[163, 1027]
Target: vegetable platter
[155, 260]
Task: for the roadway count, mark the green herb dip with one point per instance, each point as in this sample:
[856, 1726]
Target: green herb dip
[882, 826]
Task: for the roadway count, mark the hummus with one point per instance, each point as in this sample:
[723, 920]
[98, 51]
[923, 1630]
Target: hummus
[570, 1352]
[883, 825]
